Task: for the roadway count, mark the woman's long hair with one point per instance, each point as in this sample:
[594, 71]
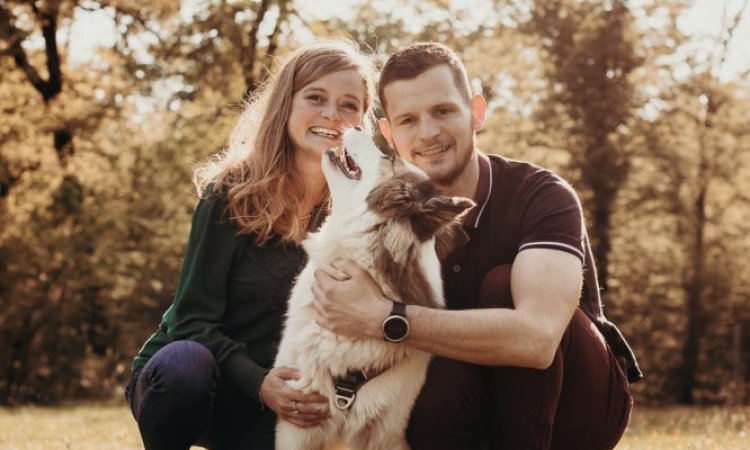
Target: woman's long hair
[257, 170]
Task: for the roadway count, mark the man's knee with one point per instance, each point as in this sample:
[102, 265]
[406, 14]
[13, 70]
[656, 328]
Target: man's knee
[595, 403]
[449, 409]
[523, 405]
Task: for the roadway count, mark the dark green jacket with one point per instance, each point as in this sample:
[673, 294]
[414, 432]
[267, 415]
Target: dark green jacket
[231, 296]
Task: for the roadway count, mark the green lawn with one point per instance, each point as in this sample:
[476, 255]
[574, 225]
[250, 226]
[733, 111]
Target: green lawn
[99, 427]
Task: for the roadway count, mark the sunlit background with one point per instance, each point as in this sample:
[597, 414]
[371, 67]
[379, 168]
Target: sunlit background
[643, 105]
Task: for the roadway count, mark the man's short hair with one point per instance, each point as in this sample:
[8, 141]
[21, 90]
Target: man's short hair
[415, 59]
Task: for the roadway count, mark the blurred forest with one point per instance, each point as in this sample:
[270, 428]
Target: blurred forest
[96, 158]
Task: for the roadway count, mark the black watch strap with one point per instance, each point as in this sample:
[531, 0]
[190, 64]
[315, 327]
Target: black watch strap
[399, 309]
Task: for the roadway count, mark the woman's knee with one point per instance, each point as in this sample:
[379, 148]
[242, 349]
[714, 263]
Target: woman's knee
[185, 366]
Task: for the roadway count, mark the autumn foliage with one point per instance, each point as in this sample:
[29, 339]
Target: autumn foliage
[97, 151]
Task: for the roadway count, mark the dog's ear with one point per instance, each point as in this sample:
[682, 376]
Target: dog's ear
[396, 252]
[448, 208]
[438, 212]
[448, 238]
[442, 219]
[401, 196]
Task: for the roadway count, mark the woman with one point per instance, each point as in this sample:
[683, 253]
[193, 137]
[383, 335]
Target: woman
[203, 377]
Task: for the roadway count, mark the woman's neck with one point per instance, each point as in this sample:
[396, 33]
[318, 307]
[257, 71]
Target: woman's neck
[315, 183]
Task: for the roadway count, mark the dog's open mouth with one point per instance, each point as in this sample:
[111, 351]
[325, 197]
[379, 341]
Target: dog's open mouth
[345, 164]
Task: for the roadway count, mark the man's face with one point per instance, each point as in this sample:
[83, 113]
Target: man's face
[432, 125]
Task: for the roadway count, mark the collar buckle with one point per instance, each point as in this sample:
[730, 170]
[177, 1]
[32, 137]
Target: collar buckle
[346, 387]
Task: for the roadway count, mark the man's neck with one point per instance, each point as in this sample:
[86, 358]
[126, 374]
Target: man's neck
[465, 185]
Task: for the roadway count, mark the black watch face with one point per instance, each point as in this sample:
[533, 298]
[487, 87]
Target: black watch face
[395, 328]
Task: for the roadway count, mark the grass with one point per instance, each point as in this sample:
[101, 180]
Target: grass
[85, 427]
[688, 429]
[100, 427]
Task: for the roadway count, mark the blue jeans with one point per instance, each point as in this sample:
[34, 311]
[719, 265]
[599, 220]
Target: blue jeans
[179, 399]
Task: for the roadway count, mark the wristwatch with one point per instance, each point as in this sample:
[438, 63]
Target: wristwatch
[395, 326]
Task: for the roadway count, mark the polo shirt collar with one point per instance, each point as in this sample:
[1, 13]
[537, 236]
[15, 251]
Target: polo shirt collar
[482, 194]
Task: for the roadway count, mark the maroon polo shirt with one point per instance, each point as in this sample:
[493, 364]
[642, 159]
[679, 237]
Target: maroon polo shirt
[522, 206]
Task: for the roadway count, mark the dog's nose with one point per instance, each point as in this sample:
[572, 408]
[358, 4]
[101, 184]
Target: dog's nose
[358, 128]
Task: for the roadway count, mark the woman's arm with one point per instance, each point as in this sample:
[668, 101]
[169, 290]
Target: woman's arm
[198, 312]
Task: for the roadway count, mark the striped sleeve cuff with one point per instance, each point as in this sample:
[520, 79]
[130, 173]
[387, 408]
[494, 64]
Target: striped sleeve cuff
[554, 246]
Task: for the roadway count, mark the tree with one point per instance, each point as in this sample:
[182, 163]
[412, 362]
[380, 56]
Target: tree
[43, 16]
[589, 47]
[91, 245]
[687, 194]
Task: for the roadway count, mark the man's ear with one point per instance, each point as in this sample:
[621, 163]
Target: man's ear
[478, 108]
[385, 129]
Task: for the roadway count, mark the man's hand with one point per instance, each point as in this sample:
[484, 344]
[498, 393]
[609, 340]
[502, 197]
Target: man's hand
[348, 301]
[303, 410]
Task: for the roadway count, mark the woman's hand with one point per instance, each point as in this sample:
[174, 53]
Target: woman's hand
[303, 410]
[348, 301]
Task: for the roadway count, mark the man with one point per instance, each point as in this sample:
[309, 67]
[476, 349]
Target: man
[524, 356]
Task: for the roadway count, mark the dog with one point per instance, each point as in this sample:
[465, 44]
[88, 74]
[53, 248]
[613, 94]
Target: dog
[387, 217]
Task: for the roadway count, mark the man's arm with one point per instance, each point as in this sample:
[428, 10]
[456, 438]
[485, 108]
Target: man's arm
[545, 284]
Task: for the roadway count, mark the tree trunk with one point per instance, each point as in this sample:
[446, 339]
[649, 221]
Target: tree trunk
[273, 39]
[250, 53]
[600, 234]
[49, 89]
[694, 291]
[16, 372]
[603, 175]
[6, 178]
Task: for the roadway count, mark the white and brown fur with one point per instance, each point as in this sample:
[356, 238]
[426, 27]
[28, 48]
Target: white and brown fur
[389, 222]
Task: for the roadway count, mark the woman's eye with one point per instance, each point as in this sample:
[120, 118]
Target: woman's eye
[315, 98]
[351, 107]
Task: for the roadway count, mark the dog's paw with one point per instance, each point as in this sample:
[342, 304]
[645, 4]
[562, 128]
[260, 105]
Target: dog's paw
[300, 384]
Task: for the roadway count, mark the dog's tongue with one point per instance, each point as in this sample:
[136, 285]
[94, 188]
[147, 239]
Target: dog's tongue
[350, 163]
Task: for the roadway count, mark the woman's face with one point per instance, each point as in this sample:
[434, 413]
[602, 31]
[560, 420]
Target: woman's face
[322, 110]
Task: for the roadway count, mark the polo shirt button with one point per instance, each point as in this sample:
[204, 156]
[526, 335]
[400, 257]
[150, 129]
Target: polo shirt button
[456, 268]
